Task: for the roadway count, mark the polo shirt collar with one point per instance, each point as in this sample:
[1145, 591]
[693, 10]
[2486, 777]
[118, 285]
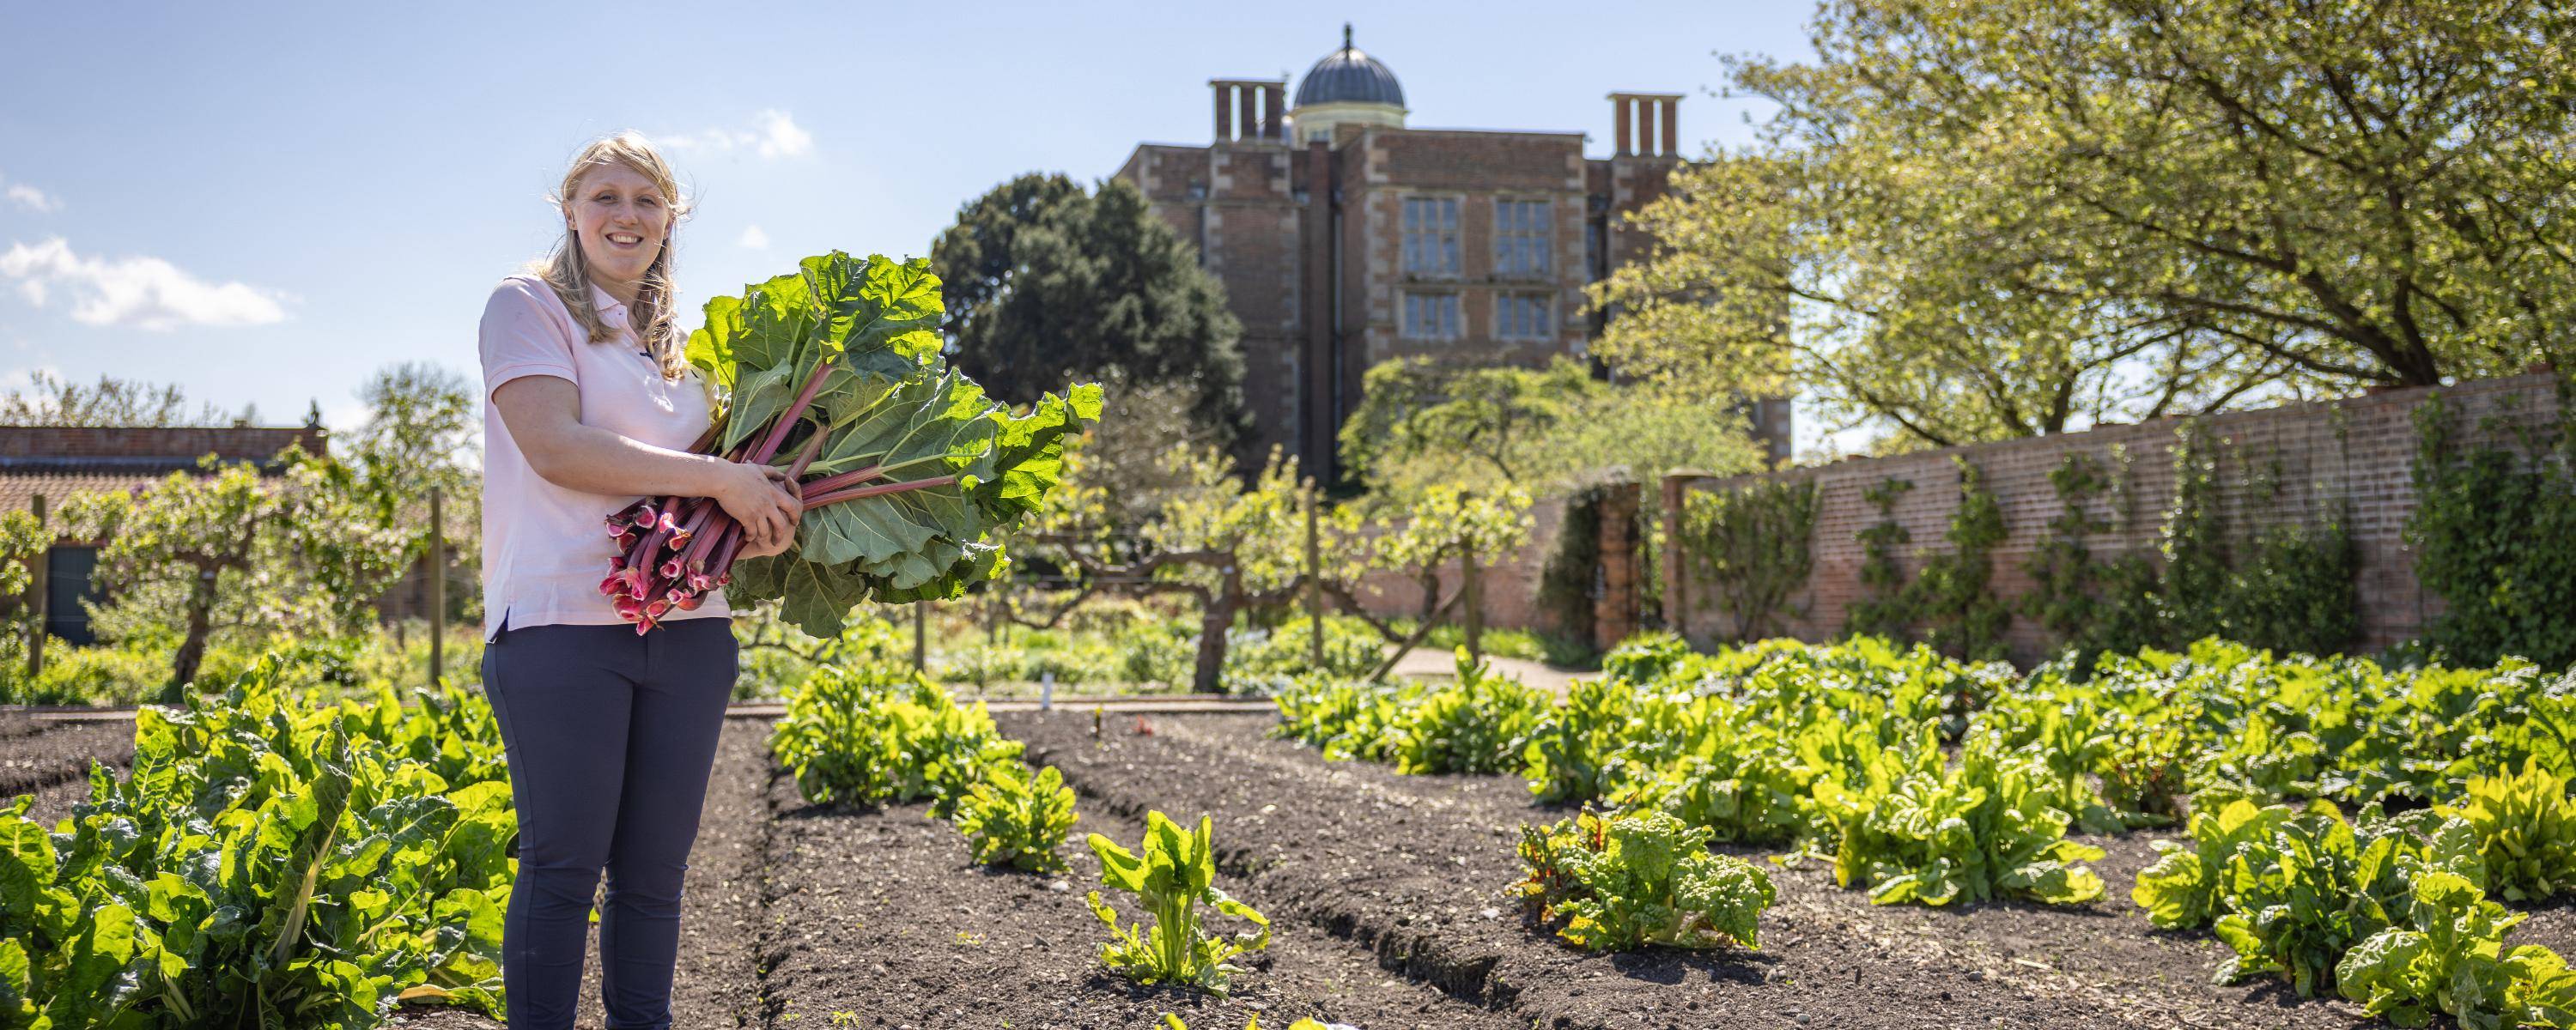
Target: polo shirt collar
[607, 305]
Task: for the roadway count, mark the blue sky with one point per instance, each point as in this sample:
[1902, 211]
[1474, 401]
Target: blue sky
[264, 203]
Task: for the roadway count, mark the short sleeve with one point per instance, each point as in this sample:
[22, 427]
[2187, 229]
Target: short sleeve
[522, 337]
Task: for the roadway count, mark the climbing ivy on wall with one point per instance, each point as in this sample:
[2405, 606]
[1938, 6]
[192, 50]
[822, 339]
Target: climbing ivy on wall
[2288, 586]
[1753, 546]
[1954, 596]
[1565, 583]
[2086, 605]
[2494, 532]
[2061, 568]
[1882, 609]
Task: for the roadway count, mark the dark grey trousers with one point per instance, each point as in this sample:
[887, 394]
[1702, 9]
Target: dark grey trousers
[610, 737]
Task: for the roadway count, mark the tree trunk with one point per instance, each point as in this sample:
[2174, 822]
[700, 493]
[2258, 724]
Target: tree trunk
[1216, 615]
[192, 651]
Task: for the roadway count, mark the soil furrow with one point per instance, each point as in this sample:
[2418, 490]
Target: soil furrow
[883, 917]
[61, 753]
[1412, 867]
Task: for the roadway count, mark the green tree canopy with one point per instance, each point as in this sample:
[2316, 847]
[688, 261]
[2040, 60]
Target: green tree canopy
[1978, 221]
[50, 400]
[1045, 282]
[1422, 424]
[227, 552]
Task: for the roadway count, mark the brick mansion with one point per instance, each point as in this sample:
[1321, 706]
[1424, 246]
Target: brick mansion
[1346, 237]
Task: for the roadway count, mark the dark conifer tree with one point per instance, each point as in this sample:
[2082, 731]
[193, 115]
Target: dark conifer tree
[1045, 282]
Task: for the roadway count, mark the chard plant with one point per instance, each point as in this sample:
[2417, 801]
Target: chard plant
[2452, 961]
[267, 862]
[2300, 896]
[868, 733]
[1015, 819]
[1175, 882]
[1642, 878]
[908, 472]
[1345, 721]
[2183, 889]
[2526, 833]
[1478, 724]
[1982, 831]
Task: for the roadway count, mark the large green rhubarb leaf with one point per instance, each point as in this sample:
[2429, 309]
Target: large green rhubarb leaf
[921, 428]
[943, 467]
[1028, 451]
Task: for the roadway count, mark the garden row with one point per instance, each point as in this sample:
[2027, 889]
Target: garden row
[265, 861]
[1928, 781]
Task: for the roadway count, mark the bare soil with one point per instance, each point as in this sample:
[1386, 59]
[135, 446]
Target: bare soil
[36, 754]
[1412, 868]
[880, 916]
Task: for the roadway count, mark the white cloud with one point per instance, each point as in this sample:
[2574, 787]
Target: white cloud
[144, 292]
[33, 199]
[773, 135]
[780, 137]
[753, 238]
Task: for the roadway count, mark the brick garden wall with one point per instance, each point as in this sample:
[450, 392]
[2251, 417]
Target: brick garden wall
[2358, 453]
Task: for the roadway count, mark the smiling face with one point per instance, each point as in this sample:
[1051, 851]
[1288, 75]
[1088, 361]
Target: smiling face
[622, 220]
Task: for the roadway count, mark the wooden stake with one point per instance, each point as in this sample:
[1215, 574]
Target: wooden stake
[437, 588]
[42, 598]
[1314, 580]
[1472, 595]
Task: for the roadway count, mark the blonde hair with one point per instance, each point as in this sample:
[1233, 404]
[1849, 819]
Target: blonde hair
[569, 273]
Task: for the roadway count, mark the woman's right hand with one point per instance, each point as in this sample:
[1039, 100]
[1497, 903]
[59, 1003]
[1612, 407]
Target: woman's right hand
[764, 500]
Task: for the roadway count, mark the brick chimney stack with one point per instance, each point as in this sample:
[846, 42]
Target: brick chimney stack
[1643, 124]
[1250, 110]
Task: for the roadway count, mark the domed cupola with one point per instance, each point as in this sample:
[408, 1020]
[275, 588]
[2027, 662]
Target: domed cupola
[1347, 87]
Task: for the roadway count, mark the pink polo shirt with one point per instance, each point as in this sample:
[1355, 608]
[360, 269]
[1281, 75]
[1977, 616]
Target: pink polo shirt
[545, 548]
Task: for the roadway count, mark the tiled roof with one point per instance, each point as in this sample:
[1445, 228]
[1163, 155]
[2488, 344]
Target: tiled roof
[18, 490]
[58, 462]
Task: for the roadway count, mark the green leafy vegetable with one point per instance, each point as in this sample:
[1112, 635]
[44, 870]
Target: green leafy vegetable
[1982, 831]
[2526, 832]
[1012, 818]
[2452, 961]
[2184, 889]
[1642, 878]
[267, 863]
[2299, 896]
[874, 732]
[1175, 879]
[1477, 725]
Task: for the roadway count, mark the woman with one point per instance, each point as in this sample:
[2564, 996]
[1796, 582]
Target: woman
[609, 734]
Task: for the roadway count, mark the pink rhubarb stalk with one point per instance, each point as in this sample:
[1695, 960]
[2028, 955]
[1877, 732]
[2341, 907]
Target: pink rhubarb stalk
[879, 489]
[804, 399]
[830, 483]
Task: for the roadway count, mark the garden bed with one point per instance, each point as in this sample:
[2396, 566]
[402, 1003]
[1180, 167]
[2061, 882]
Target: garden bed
[1412, 868]
[1385, 895]
[881, 913]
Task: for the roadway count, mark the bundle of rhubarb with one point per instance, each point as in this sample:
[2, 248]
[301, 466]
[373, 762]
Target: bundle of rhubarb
[909, 474]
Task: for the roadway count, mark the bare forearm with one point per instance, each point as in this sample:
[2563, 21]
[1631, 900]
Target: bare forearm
[595, 460]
